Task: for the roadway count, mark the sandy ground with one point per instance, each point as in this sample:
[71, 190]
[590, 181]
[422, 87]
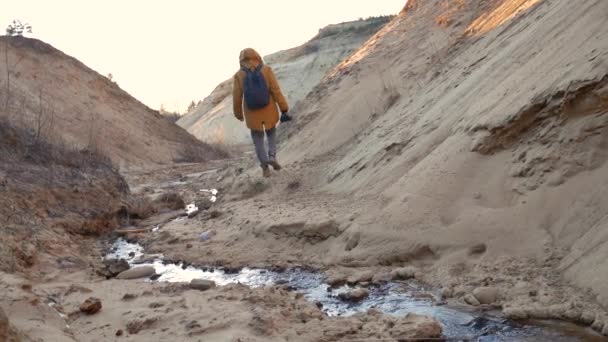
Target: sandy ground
[137, 310]
[286, 221]
[282, 221]
[43, 305]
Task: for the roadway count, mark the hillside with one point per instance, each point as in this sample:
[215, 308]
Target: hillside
[478, 126]
[65, 100]
[298, 71]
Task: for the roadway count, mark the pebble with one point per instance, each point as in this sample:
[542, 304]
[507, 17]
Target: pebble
[201, 284]
[515, 313]
[471, 300]
[447, 292]
[336, 280]
[404, 273]
[137, 272]
[90, 306]
[356, 295]
[486, 294]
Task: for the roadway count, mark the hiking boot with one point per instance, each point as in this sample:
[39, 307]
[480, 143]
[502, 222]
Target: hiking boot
[275, 165]
[265, 172]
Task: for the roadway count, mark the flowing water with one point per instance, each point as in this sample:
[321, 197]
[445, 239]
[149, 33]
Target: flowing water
[396, 298]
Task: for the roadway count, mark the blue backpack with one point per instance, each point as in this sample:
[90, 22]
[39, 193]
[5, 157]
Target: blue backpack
[255, 89]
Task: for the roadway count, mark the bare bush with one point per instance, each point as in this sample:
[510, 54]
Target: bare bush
[201, 153]
[22, 144]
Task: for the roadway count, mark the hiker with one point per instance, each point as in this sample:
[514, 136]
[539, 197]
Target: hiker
[256, 93]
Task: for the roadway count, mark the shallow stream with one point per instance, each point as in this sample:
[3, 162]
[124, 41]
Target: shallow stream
[396, 298]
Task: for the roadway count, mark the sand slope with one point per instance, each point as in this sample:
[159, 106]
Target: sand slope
[73, 103]
[476, 122]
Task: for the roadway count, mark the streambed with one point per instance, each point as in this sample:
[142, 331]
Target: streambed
[395, 298]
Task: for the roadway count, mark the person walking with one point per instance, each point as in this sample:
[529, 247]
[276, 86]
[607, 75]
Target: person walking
[257, 98]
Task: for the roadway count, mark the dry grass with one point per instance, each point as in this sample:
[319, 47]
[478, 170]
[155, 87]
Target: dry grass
[202, 153]
[51, 193]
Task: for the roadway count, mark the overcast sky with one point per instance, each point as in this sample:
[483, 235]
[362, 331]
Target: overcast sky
[171, 52]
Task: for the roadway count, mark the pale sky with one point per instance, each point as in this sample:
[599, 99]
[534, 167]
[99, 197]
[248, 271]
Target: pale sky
[171, 52]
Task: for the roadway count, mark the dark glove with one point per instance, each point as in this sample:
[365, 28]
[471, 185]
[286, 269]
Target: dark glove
[285, 117]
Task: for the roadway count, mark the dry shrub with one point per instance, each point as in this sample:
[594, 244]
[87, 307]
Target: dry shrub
[202, 153]
[49, 193]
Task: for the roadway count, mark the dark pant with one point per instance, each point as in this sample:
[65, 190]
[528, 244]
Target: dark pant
[260, 149]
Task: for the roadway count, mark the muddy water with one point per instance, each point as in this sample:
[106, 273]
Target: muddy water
[397, 298]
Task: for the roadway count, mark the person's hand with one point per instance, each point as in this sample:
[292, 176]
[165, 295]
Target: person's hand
[285, 117]
[239, 117]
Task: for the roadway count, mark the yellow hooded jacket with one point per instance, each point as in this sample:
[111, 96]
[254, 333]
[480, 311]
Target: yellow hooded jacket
[265, 118]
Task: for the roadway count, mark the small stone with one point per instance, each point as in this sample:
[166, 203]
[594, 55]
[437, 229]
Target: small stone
[382, 277]
[136, 326]
[598, 323]
[137, 272]
[477, 249]
[119, 332]
[189, 245]
[90, 306]
[215, 214]
[206, 235]
[471, 300]
[586, 318]
[515, 313]
[356, 295]
[204, 203]
[129, 296]
[447, 292]
[486, 294]
[201, 284]
[404, 273]
[113, 267]
[336, 280]
[361, 277]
